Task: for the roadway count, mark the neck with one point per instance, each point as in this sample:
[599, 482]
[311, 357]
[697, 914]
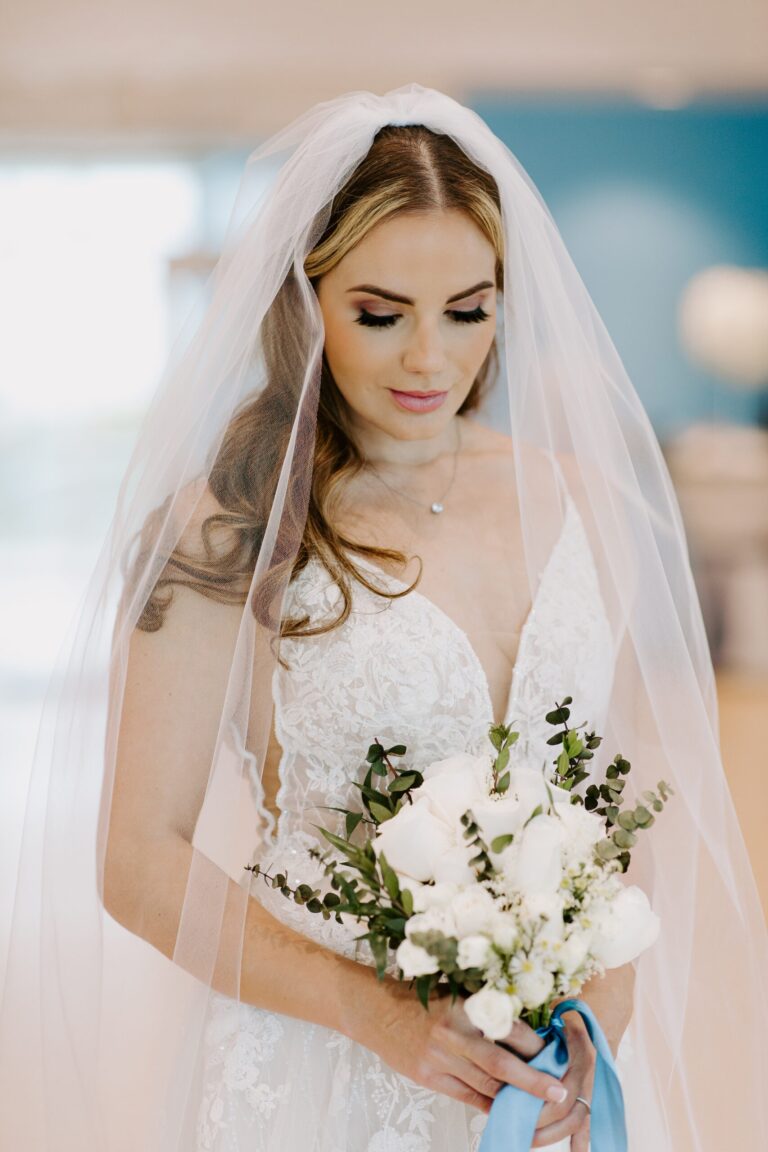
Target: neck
[381, 449]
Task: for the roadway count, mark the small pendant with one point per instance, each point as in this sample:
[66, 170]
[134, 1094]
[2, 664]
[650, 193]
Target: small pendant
[436, 507]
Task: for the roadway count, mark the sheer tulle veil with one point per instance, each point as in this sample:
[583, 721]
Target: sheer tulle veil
[100, 1033]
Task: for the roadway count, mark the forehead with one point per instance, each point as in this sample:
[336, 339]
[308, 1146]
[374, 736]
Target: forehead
[420, 253]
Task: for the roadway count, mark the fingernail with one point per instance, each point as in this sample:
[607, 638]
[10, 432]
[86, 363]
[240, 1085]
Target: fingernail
[557, 1093]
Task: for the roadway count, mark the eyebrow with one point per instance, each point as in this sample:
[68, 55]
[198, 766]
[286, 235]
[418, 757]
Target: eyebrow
[407, 300]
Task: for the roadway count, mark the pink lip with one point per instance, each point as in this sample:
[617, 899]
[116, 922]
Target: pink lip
[418, 401]
[400, 392]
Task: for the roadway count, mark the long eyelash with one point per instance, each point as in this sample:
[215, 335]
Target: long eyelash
[472, 317]
[368, 320]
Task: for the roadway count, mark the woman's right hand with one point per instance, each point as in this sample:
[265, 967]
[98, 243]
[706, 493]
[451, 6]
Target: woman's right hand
[442, 1050]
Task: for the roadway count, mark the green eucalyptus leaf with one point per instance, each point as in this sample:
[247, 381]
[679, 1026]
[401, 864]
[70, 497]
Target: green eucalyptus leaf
[380, 812]
[352, 821]
[607, 850]
[536, 812]
[502, 759]
[391, 882]
[402, 783]
[558, 716]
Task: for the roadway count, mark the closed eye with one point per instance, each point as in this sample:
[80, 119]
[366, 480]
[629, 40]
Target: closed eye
[369, 320]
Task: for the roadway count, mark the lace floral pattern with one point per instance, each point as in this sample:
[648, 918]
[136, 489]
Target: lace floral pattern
[401, 670]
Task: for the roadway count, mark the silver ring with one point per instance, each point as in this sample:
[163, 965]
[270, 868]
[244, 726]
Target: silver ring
[589, 1106]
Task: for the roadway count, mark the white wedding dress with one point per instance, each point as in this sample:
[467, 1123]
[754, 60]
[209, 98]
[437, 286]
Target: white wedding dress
[403, 671]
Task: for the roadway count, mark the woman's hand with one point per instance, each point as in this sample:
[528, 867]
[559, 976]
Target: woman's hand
[571, 1118]
[441, 1049]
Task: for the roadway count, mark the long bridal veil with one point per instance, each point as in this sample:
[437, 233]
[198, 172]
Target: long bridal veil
[101, 1027]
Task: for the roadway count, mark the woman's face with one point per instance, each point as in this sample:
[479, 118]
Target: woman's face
[389, 355]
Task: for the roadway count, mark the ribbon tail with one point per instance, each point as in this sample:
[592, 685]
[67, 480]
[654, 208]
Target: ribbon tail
[514, 1114]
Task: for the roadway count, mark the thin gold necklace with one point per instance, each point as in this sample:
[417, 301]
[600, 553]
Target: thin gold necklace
[436, 506]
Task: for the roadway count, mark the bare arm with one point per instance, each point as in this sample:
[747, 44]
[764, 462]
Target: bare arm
[174, 695]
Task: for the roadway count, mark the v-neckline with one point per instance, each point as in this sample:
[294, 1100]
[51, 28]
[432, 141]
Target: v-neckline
[432, 606]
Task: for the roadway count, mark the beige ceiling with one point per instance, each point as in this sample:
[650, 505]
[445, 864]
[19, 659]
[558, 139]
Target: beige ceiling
[196, 71]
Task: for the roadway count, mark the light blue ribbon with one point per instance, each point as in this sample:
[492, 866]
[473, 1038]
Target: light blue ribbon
[512, 1120]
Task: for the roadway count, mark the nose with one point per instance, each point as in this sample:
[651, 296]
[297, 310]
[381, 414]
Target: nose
[425, 354]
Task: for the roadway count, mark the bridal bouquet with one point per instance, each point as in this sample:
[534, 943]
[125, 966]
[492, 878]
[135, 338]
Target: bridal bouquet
[490, 875]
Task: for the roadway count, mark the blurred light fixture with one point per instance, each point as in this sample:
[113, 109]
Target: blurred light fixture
[723, 323]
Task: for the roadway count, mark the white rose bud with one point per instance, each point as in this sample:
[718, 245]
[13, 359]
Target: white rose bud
[504, 931]
[427, 896]
[473, 910]
[539, 864]
[492, 1011]
[435, 919]
[450, 793]
[473, 951]
[623, 928]
[534, 987]
[413, 840]
[414, 960]
[574, 950]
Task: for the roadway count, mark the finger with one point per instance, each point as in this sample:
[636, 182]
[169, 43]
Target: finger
[561, 1129]
[580, 1138]
[523, 1040]
[504, 1065]
[475, 1077]
[458, 1090]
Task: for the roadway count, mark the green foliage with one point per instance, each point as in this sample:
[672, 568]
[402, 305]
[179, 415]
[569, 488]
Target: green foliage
[365, 887]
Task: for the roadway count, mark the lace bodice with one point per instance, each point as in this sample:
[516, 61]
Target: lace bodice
[404, 672]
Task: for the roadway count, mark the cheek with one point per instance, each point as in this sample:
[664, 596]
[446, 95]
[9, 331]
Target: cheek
[479, 344]
[352, 352]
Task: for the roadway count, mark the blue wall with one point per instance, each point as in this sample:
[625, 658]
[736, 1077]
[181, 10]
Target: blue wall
[644, 198]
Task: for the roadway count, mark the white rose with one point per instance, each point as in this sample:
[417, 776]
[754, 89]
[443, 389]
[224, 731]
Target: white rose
[473, 911]
[529, 785]
[429, 895]
[414, 960]
[574, 950]
[498, 815]
[434, 919]
[539, 862]
[623, 928]
[493, 1012]
[450, 790]
[473, 951]
[534, 986]
[453, 866]
[504, 931]
[463, 763]
[413, 840]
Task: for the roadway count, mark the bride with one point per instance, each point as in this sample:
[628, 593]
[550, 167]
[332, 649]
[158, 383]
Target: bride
[396, 486]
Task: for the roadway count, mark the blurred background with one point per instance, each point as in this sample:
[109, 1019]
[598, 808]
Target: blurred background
[123, 131]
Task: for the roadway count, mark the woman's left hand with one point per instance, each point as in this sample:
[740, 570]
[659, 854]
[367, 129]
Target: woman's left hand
[571, 1118]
